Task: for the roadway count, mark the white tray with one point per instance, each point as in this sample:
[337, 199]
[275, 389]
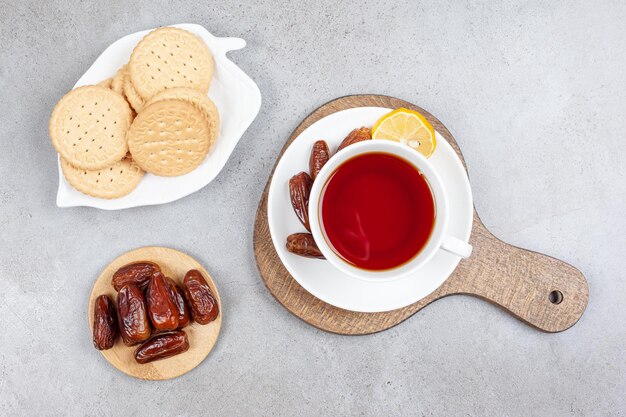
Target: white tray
[238, 101]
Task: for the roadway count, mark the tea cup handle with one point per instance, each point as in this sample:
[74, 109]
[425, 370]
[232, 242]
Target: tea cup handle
[456, 247]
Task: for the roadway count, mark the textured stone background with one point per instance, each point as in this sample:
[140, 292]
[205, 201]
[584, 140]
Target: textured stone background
[535, 96]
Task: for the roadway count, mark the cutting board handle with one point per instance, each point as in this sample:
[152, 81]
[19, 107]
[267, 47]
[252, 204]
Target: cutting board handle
[538, 289]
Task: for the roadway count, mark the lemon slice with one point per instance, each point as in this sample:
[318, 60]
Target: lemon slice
[407, 127]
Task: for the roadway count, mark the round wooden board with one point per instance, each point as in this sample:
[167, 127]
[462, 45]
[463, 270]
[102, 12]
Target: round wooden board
[539, 290]
[202, 338]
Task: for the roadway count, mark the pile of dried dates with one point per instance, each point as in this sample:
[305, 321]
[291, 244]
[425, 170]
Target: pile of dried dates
[300, 185]
[151, 311]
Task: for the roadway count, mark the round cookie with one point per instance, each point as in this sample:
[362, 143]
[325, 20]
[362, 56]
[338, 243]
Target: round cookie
[117, 83]
[200, 100]
[88, 127]
[131, 94]
[169, 138]
[170, 57]
[112, 182]
[106, 83]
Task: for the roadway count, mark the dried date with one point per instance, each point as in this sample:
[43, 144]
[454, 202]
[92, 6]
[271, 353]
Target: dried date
[202, 303]
[183, 311]
[320, 154]
[162, 346]
[299, 192]
[104, 323]
[132, 315]
[137, 273]
[303, 244]
[162, 307]
[357, 135]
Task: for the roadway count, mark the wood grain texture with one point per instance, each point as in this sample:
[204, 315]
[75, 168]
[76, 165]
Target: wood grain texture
[202, 338]
[518, 280]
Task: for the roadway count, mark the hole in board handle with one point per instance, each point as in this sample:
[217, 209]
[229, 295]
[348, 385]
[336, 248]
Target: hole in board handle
[555, 297]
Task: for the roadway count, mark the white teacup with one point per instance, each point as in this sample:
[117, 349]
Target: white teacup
[438, 238]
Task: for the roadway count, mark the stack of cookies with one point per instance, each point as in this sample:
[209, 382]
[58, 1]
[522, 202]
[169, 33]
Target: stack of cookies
[153, 116]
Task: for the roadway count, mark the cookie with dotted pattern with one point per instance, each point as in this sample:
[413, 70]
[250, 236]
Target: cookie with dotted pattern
[169, 137]
[117, 83]
[88, 127]
[106, 83]
[135, 100]
[198, 99]
[115, 181]
[170, 57]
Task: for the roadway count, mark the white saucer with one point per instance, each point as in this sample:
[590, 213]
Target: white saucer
[235, 95]
[319, 277]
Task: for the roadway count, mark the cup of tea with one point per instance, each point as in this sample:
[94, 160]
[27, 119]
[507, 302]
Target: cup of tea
[378, 211]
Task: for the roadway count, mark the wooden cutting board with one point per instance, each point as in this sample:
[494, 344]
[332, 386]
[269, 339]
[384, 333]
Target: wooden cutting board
[540, 290]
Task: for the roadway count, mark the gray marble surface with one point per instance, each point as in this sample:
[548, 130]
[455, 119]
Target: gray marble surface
[535, 96]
